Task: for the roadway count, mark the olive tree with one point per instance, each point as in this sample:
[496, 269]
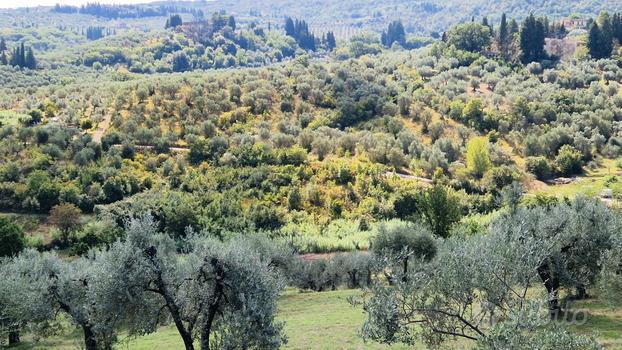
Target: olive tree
[222, 294]
[579, 233]
[23, 286]
[11, 238]
[94, 292]
[473, 289]
[610, 277]
[400, 242]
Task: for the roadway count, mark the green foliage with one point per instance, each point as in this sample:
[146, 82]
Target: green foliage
[137, 279]
[66, 217]
[520, 250]
[477, 157]
[12, 240]
[394, 34]
[473, 113]
[540, 167]
[207, 150]
[440, 210]
[401, 244]
[353, 270]
[549, 338]
[496, 263]
[173, 21]
[405, 205]
[569, 161]
[599, 42]
[472, 37]
[532, 36]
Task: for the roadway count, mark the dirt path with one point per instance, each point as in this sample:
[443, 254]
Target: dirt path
[409, 177]
[172, 149]
[101, 128]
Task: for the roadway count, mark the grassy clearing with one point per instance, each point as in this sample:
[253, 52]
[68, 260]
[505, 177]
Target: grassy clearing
[589, 184]
[323, 321]
[312, 321]
[603, 320]
[315, 321]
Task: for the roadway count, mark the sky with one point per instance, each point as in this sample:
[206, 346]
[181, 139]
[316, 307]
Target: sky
[32, 3]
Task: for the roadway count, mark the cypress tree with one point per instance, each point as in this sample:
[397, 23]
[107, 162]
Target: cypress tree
[331, 43]
[22, 55]
[532, 39]
[598, 44]
[30, 60]
[299, 30]
[173, 21]
[486, 23]
[514, 27]
[14, 56]
[290, 28]
[616, 25]
[18, 58]
[504, 35]
[547, 27]
[395, 33]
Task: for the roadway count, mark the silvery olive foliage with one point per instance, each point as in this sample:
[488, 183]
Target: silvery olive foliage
[579, 233]
[610, 278]
[552, 337]
[221, 294]
[22, 286]
[486, 288]
[98, 293]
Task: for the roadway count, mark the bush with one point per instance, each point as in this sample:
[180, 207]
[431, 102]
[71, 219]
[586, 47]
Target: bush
[477, 157]
[502, 176]
[405, 205]
[66, 217]
[569, 161]
[539, 167]
[265, 217]
[86, 124]
[11, 238]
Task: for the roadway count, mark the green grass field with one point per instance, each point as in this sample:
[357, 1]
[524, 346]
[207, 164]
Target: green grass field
[590, 184]
[312, 321]
[327, 321]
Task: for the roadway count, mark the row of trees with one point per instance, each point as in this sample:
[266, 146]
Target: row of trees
[482, 288]
[96, 33]
[113, 11]
[173, 21]
[299, 30]
[21, 57]
[509, 42]
[394, 34]
[604, 33]
[223, 295]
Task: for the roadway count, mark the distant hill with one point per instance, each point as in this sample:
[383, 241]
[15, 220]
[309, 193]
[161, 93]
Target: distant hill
[421, 17]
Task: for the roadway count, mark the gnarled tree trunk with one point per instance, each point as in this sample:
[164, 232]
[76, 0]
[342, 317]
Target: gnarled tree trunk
[219, 289]
[14, 338]
[551, 283]
[90, 342]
